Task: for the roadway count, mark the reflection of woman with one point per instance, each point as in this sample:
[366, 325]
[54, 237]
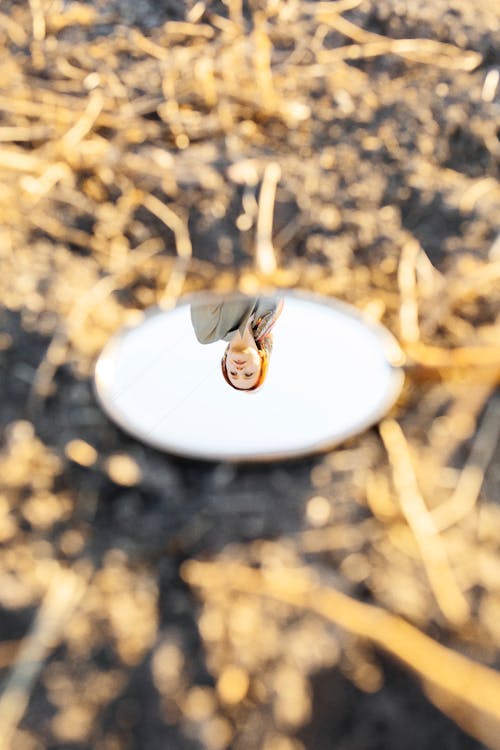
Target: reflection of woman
[246, 325]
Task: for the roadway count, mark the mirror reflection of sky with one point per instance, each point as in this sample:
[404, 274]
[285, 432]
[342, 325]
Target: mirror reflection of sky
[328, 377]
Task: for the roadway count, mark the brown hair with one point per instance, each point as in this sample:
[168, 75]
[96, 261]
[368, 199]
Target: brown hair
[264, 347]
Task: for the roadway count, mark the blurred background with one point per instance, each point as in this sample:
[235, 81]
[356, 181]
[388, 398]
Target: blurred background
[349, 600]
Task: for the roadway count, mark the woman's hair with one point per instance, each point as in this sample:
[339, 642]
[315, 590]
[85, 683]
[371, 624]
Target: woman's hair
[264, 346]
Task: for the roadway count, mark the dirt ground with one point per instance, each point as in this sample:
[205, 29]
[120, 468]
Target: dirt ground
[348, 601]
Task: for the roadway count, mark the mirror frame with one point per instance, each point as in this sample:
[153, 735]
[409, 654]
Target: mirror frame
[390, 346]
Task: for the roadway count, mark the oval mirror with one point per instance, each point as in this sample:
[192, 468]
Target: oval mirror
[229, 377]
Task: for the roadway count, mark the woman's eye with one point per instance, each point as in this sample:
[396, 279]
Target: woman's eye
[249, 374]
[234, 374]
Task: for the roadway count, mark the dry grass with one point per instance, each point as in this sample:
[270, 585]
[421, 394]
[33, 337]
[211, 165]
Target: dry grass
[240, 149]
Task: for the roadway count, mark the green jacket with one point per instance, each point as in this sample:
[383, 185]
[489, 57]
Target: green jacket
[221, 320]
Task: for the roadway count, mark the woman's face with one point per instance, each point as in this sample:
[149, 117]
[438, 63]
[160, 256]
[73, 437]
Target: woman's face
[243, 368]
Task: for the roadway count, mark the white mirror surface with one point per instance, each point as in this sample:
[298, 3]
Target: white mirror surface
[331, 375]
